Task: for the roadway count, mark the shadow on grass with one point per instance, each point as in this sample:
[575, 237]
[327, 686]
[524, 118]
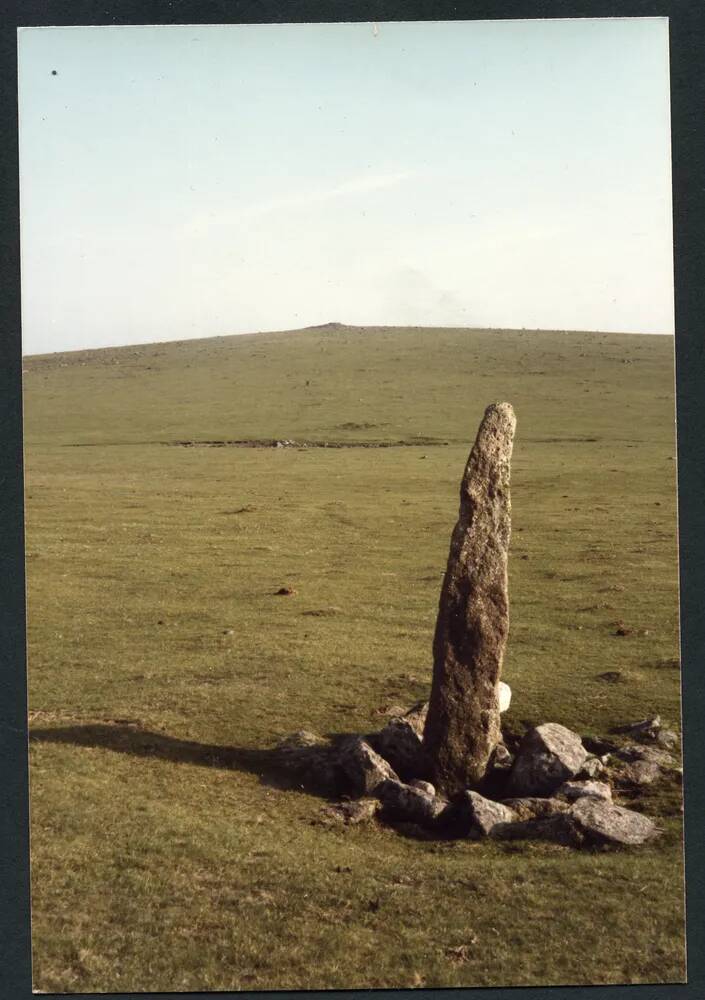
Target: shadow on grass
[298, 768]
[274, 767]
[308, 769]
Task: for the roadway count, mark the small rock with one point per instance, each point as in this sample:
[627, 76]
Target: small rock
[592, 768]
[363, 769]
[504, 696]
[410, 804]
[395, 711]
[601, 822]
[573, 790]
[302, 738]
[667, 738]
[547, 756]
[423, 786]
[416, 717]
[285, 592]
[501, 759]
[480, 815]
[462, 952]
[645, 731]
[634, 752]
[640, 773]
[533, 807]
[598, 745]
[611, 676]
[360, 811]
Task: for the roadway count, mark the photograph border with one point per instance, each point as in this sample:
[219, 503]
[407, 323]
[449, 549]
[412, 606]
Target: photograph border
[687, 45]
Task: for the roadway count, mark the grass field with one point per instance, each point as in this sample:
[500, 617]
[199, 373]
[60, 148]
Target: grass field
[167, 854]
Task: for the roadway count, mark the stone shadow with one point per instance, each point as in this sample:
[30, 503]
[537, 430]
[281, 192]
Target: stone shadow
[278, 767]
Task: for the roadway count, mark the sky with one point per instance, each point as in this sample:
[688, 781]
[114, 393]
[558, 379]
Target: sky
[192, 181]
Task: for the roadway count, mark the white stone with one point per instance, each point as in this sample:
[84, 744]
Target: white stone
[504, 696]
[573, 790]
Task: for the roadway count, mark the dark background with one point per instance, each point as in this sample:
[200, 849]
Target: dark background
[687, 47]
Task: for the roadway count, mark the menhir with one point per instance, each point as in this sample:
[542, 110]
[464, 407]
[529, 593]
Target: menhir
[462, 727]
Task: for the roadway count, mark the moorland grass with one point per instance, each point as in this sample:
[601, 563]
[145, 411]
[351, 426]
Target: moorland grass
[166, 852]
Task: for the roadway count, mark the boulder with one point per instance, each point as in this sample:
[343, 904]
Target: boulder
[400, 744]
[556, 827]
[535, 807]
[362, 769]
[602, 823]
[462, 726]
[548, 755]
[655, 755]
[639, 773]
[479, 815]
[573, 790]
[409, 804]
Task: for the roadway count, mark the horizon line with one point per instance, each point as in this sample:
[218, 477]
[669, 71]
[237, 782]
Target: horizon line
[335, 325]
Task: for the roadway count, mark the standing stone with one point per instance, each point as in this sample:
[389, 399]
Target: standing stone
[462, 726]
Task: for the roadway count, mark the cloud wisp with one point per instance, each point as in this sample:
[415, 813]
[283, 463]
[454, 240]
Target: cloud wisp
[361, 184]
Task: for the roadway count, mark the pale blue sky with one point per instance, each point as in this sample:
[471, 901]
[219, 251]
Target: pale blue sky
[194, 181]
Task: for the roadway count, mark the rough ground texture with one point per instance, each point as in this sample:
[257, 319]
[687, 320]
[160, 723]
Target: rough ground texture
[462, 726]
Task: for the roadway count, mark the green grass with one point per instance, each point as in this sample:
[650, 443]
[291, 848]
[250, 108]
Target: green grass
[163, 666]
